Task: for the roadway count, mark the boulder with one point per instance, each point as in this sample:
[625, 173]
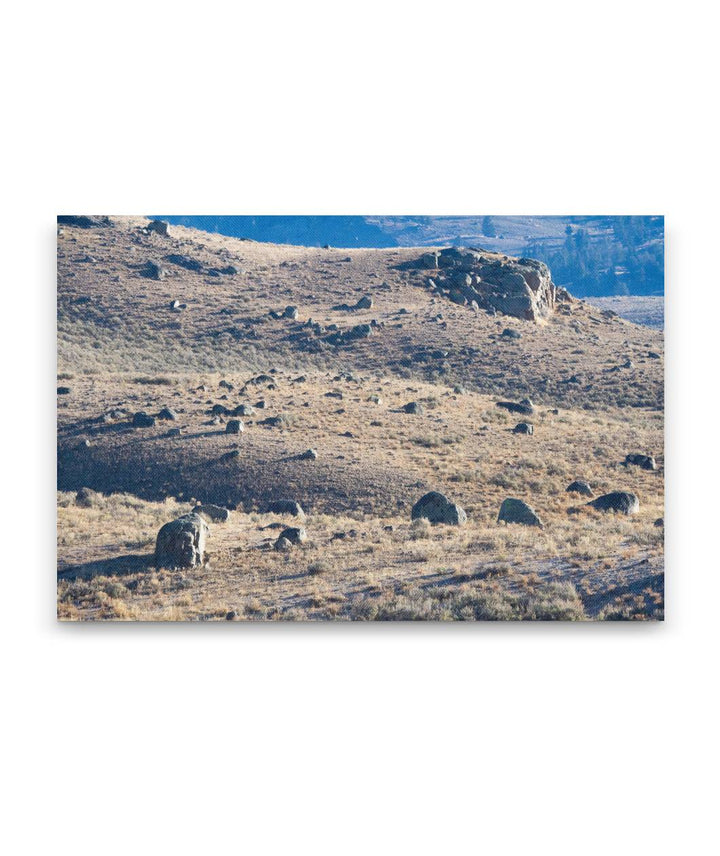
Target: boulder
[243, 410]
[523, 428]
[234, 426]
[508, 333]
[645, 462]
[292, 535]
[142, 420]
[181, 543]
[365, 302]
[160, 227]
[517, 511]
[413, 407]
[621, 501]
[581, 487]
[290, 312]
[525, 406]
[659, 522]
[152, 270]
[212, 513]
[309, 455]
[286, 506]
[167, 414]
[437, 508]
[63, 390]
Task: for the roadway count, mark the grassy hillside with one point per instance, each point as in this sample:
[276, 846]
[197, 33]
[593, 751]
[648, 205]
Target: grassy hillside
[595, 379]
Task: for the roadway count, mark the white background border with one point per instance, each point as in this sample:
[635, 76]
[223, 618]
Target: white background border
[359, 739]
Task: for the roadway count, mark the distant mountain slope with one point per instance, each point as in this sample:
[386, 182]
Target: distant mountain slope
[304, 231]
[588, 255]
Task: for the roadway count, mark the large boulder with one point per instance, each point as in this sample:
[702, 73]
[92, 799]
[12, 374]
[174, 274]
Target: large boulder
[622, 501]
[517, 511]
[522, 287]
[181, 543]
[437, 508]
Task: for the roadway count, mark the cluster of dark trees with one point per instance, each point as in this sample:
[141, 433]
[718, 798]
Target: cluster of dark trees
[605, 256]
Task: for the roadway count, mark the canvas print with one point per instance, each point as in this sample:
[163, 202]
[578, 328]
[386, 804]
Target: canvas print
[360, 418]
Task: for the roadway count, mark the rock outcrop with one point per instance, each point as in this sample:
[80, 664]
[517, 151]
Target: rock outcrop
[522, 287]
[181, 543]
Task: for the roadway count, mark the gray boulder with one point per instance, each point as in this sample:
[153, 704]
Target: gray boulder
[581, 487]
[152, 270]
[181, 543]
[645, 462]
[160, 227]
[286, 506]
[292, 535]
[523, 428]
[621, 501]
[290, 312]
[167, 414]
[309, 455]
[234, 426]
[517, 511]
[212, 513]
[413, 407]
[437, 508]
[243, 410]
[525, 406]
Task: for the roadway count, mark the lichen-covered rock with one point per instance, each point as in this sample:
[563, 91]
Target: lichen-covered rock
[622, 501]
[517, 511]
[437, 508]
[181, 543]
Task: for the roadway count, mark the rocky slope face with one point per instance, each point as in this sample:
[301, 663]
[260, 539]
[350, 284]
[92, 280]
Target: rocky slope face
[522, 288]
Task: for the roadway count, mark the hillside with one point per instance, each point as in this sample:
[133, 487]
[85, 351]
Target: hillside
[208, 327]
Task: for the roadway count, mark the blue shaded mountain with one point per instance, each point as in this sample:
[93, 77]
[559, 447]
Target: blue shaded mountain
[305, 231]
